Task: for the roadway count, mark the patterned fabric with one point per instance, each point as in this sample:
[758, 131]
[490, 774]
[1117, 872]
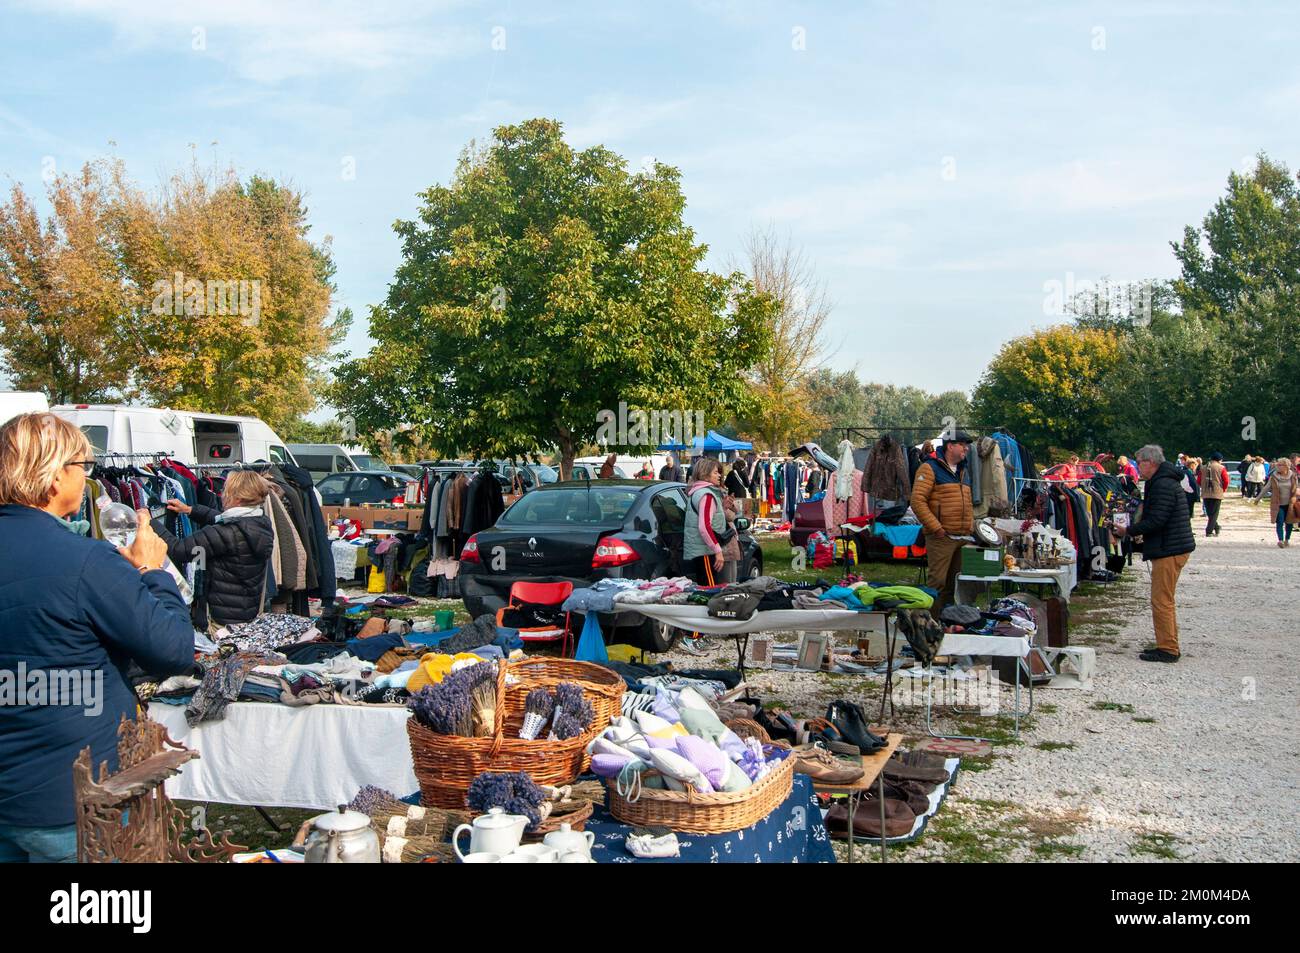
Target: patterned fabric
[791, 834]
[267, 631]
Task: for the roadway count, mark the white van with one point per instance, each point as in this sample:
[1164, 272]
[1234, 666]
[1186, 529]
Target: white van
[185, 435]
[322, 459]
[15, 402]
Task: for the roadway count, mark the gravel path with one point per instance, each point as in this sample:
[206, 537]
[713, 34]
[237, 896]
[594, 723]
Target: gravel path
[1213, 777]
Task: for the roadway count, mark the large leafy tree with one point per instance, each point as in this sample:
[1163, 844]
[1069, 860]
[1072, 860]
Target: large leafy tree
[62, 293]
[1050, 388]
[1241, 279]
[540, 287]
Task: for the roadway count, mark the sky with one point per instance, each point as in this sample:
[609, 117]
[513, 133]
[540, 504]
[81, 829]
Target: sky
[941, 165]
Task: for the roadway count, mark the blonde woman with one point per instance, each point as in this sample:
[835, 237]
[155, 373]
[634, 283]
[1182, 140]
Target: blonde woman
[1283, 488]
[74, 612]
[235, 546]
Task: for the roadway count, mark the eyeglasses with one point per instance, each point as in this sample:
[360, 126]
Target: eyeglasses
[87, 465]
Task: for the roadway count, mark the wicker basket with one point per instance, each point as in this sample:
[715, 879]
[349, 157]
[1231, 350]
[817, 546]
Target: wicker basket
[446, 764]
[748, 728]
[575, 818]
[694, 813]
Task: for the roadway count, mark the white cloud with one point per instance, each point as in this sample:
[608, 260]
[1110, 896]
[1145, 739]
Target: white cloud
[269, 42]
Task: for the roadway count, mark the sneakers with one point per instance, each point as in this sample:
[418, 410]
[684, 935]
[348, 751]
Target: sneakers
[822, 766]
[697, 646]
[1158, 655]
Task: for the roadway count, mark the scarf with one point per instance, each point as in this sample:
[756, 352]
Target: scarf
[239, 512]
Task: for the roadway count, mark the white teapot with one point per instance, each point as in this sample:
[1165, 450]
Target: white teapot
[568, 841]
[495, 832]
[341, 837]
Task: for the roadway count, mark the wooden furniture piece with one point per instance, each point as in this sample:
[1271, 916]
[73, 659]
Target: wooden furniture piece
[127, 817]
[873, 767]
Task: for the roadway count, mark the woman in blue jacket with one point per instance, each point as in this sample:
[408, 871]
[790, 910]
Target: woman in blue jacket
[74, 613]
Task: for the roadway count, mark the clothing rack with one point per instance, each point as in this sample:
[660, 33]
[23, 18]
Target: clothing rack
[156, 455]
[230, 466]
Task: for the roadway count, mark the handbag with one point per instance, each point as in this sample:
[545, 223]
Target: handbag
[1293, 511]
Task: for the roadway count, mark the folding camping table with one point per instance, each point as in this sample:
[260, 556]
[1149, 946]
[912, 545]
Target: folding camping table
[956, 643]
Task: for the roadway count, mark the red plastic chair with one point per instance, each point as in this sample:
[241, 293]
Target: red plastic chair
[543, 594]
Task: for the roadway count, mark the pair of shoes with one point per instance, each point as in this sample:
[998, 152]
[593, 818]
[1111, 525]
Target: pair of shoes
[899, 819]
[820, 765]
[915, 766]
[822, 732]
[691, 646]
[1159, 655]
[910, 793]
[852, 724]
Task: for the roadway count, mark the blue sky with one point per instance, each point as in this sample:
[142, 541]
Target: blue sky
[938, 162]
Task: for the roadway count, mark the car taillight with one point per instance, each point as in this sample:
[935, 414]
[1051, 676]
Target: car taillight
[469, 552]
[613, 552]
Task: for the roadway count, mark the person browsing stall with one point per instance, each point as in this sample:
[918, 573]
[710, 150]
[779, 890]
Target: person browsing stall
[236, 546]
[706, 523]
[1166, 530]
[942, 502]
[77, 612]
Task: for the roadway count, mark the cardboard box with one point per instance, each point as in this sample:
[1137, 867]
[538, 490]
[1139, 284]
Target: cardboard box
[406, 519]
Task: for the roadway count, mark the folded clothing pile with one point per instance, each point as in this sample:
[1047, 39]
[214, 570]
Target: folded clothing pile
[677, 745]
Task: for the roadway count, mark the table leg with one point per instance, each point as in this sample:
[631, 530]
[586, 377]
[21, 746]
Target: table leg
[880, 791]
[853, 806]
[742, 646]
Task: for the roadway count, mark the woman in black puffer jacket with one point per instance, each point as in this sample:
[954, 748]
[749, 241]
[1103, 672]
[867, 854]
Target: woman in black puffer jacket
[236, 545]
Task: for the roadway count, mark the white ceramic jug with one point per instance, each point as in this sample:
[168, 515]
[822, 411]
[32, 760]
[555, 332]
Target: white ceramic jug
[495, 832]
[568, 841]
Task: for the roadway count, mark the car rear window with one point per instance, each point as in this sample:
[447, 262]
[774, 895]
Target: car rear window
[600, 504]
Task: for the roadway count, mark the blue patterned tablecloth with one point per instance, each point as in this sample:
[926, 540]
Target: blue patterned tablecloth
[792, 834]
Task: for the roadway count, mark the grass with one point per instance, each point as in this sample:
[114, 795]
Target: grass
[245, 826]
[1052, 850]
[1047, 708]
[1114, 706]
[1055, 746]
[1156, 845]
[1144, 720]
[777, 559]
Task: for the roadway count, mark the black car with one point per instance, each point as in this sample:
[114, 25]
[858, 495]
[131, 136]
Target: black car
[581, 532]
[363, 486]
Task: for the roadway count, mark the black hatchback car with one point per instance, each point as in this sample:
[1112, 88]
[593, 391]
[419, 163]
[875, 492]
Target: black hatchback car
[580, 532]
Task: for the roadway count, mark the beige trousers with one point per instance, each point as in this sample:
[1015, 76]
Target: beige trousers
[1164, 618]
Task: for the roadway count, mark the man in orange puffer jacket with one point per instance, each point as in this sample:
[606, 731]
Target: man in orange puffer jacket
[942, 502]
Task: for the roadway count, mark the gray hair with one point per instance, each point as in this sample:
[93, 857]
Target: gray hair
[1151, 453]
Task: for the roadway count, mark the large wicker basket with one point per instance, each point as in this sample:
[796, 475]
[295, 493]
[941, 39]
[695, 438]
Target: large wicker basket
[694, 813]
[446, 764]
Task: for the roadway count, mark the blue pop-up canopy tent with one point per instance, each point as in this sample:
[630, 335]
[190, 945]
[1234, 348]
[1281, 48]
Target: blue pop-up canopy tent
[712, 442]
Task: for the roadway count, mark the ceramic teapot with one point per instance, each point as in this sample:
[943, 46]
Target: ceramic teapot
[568, 841]
[495, 832]
[342, 837]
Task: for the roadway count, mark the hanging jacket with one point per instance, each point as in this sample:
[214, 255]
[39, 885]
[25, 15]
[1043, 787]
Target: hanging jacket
[1163, 523]
[992, 471]
[235, 555]
[887, 476]
[844, 475]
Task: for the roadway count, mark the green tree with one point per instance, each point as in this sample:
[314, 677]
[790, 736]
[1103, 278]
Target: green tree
[542, 286]
[1049, 388]
[1241, 278]
[302, 430]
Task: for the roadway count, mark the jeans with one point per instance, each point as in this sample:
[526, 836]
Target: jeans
[38, 845]
[1281, 521]
[1212, 515]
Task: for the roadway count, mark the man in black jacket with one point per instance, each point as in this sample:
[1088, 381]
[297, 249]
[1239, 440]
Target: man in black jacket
[1166, 530]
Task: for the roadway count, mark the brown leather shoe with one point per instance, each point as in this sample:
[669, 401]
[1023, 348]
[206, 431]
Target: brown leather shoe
[820, 765]
[899, 819]
[915, 766]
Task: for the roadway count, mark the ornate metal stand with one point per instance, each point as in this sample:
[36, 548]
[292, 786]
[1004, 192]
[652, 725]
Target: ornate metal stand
[153, 828]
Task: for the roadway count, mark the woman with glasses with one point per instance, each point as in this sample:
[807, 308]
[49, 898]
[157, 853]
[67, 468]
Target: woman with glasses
[74, 614]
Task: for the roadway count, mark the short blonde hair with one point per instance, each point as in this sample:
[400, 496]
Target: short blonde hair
[246, 488]
[33, 448]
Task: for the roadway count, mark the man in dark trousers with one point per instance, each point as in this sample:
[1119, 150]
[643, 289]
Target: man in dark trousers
[942, 502]
[1166, 530]
[1213, 478]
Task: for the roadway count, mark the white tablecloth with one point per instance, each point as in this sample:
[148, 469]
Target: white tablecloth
[959, 643]
[1065, 578]
[277, 756]
[697, 619]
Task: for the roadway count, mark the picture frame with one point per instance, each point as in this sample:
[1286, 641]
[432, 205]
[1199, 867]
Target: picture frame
[812, 651]
[760, 651]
